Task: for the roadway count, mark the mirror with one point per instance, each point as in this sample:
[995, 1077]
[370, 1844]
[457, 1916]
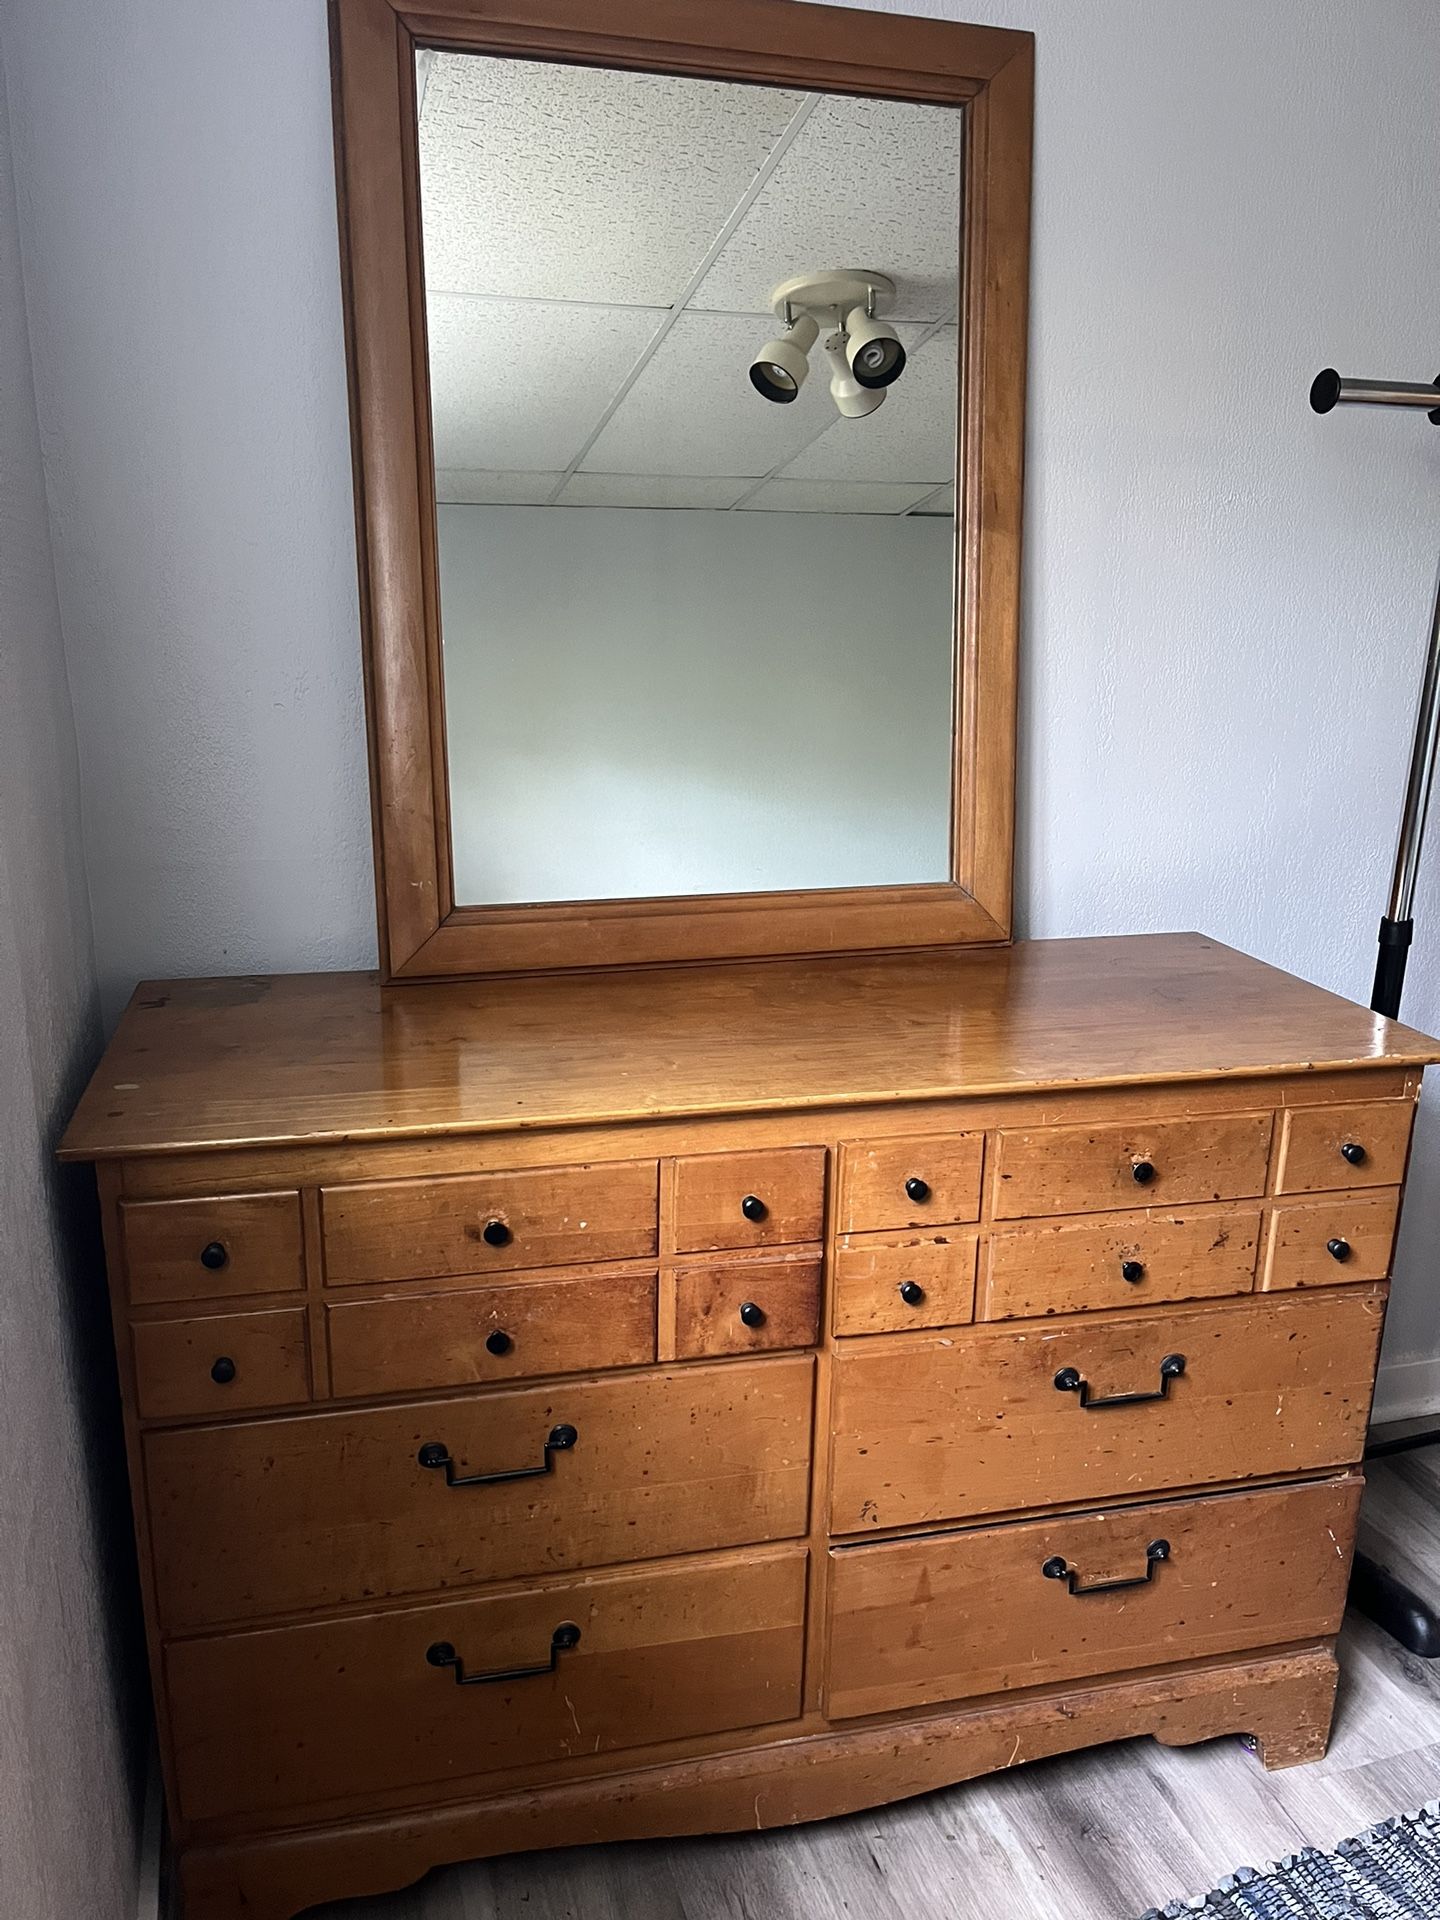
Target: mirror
[696, 566]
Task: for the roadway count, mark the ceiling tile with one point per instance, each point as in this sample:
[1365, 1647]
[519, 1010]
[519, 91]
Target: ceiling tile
[465, 487]
[583, 183]
[694, 411]
[868, 183]
[519, 387]
[912, 437]
[650, 490]
[832, 496]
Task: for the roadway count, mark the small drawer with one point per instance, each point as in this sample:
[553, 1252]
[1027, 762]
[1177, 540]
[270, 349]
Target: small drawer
[266, 1722]
[725, 1200]
[1043, 1170]
[221, 1363]
[1324, 1243]
[476, 1335]
[885, 1283]
[1360, 1146]
[746, 1306]
[212, 1249]
[1098, 1406]
[262, 1517]
[1130, 1260]
[1080, 1594]
[490, 1223]
[933, 1179]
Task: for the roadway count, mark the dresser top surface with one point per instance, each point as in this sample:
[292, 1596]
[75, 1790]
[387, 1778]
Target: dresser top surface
[307, 1058]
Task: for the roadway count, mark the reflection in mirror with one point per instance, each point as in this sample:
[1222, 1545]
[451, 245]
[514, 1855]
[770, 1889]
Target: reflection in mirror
[695, 480]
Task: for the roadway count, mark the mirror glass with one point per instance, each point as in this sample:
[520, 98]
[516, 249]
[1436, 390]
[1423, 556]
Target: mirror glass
[693, 353]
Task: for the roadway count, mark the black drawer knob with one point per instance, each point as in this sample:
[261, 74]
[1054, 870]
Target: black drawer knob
[1337, 1248]
[214, 1256]
[916, 1189]
[912, 1293]
[1133, 1271]
[223, 1371]
[753, 1207]
[495, 1233]
[752, 1314]
[1353, 1152]
[498, 1342]
[1143, 1172]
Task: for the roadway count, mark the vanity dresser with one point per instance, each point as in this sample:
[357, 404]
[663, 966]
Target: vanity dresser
[711, 1335]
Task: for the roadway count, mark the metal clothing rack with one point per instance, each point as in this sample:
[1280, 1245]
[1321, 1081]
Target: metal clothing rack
[1411, 1618]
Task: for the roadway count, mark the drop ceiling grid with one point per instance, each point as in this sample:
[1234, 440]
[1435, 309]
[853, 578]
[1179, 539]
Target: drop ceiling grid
[620, 297]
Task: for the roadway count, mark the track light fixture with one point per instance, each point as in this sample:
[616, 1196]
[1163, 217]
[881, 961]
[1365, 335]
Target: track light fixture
[866, 354]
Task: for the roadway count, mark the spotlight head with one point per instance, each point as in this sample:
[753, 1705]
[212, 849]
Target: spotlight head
[874, 349]
[852, 399]
[778, 370]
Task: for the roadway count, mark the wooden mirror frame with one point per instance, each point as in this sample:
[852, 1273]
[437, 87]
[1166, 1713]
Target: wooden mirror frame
[988, 71]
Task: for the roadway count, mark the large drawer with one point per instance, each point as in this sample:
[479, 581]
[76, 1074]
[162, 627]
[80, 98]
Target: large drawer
[1041, 1170]
[279, 1515]
[995, 1420]
[490, 1223]
[270, 1721]
[1084, 1594]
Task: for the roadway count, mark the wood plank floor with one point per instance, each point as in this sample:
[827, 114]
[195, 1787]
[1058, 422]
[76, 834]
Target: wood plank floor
[1100, 1835]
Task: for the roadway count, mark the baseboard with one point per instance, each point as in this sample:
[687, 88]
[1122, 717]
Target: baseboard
[1406, 1389]
[150, 1904]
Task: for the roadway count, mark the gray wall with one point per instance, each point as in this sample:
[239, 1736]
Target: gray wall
[68, 1651]
[1225, 596]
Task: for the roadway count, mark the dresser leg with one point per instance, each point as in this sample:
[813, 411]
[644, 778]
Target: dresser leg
[1286, 1711]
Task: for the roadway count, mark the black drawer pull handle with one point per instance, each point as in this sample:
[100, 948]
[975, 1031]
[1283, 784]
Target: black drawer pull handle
[223, 1371]
[916, 1189]
[1071, 1380]
[1143, 1172]
[1337, 1248]
[1353, 1152]
[1133, 1271]
[436, 1454]
[752, 1314]
[912, 1293]
[442, 1654]
[753, 1207]
[214, 1256]
[1057, 1569]
[495, 1233]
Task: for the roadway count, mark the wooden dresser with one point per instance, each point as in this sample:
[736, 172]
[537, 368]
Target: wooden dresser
[573, 1408]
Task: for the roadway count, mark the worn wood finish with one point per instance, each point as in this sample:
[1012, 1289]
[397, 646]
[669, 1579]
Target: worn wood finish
[423, 931]
[414, 1229]
[251, 1243]
[878, 1179]
[209, 1064]
[1270, 1387]
[288, 1515]
[1315, 1243]
[220, 1363]
[1319, 1152]
[269, 1721]
[716, 1304]
[935, 1270]
[712, 1190]
[1170, 1162]
[1132, 1260]
[982, 1617]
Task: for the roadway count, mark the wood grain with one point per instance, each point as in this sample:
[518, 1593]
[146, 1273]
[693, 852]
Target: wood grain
[871, 1269]
[1085, 1266]
[711, 1189]
[1090, 1169]
[874, 1175]
[262, 1359]
[257, 1235]
[1300, 1237]
[709, 1296]
[1310, 1146]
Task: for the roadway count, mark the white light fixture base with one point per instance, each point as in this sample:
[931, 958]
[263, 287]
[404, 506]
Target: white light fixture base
[831, 295]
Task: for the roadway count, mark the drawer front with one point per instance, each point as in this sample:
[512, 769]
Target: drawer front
[1085, 1594]
[269, 1721]
[334, 1508]
[1270, 1386]
[396, 1343]
[750, 1306]
[886, 1283]
[1134, 1260]
[221, 1363]
[1043, 1170]
[212, 1249]
[1364, 1145]
[732, 1200]
[1323, 1243]
[930, 1180]
[490, 1223]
